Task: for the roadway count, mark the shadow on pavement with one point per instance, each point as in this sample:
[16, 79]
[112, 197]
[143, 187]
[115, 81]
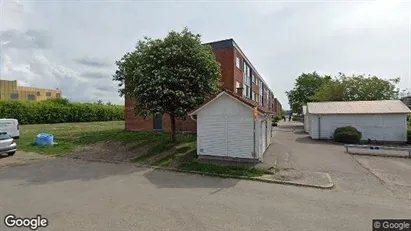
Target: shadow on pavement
[164, 179]
[307, 140]
[59, 169]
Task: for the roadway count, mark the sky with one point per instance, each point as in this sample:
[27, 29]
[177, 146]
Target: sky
[73, 45]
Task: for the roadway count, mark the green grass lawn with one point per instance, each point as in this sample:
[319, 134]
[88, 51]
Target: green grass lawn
[194, 165]
[70, 136]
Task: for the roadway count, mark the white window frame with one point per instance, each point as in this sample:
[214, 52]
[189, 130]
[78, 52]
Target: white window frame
[237, 62]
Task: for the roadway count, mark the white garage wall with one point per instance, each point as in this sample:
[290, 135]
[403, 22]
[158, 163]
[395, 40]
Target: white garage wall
[269, 131]
[225, 128]
[306, 123]
[383, 127]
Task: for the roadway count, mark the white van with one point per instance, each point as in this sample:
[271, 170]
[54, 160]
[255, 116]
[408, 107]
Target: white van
[11, 126]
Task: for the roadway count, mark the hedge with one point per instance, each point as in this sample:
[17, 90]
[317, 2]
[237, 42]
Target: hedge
[348, 135]
[59, 111]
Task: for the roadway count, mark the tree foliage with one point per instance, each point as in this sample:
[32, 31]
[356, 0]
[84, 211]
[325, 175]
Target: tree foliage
[315, 88]
[404, 93]
[170, 76]
[357, 88]
[306, 85]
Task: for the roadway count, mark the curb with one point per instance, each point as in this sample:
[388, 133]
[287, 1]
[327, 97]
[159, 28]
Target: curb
[380, 155]
[328, 186]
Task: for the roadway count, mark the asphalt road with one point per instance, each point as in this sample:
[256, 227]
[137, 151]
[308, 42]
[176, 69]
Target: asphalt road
[79, 195]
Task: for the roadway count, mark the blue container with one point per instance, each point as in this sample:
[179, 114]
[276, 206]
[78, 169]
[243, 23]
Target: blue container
[44, 139]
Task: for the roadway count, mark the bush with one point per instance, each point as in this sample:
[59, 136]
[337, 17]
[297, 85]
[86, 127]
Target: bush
[59, 111]
[409, 136]
[276, 119]
[298, 118]
[347, 135]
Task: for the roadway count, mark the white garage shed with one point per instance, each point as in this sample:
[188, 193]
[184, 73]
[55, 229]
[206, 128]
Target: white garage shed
[306, 120]
[230, 126]
[383, 120]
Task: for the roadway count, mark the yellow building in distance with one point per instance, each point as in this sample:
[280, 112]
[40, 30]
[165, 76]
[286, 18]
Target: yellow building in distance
[10, 90]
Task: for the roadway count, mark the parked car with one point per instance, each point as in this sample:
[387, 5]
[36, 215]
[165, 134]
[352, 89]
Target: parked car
[11, 126]
[7, 144]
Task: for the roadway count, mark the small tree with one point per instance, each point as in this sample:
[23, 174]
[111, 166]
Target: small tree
[306, 85]
[357, 88]
[170, 76]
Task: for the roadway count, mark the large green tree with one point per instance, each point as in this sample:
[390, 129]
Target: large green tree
[306, 85]
[357, 88]
[170, 76]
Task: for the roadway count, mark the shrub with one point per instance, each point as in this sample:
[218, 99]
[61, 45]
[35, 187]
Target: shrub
[59, 111]
[348, 135]
[409, 136]
[298, 118]
[276, 119]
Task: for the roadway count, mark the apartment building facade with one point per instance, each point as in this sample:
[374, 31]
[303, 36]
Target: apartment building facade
[9, 89]
[237, 75]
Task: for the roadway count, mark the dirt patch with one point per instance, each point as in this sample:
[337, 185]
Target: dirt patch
[177, 163]
[112, 151]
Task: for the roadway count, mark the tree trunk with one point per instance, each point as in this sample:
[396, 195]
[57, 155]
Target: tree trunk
[173, 128]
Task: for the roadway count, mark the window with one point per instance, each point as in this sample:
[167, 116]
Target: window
[48, 94]
[237, 62]
[237, 85]
[247, 80]
[58, 95]
[253, 77]
[38, 93]
[31, 97]
[14, 96]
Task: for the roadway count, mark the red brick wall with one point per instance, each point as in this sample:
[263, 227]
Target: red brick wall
[238, 73]
[225, 57]
[136, 123]
[183, 124]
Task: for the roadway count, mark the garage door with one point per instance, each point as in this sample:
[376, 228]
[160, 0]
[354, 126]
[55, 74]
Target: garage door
[211, 136]
[226, 136]
[240, 137]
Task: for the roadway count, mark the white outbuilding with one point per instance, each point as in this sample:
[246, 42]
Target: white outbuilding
[306, 120]
[382, 120]
[230, 126]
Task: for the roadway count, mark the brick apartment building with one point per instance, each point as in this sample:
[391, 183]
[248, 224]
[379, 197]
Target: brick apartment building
[237, 74]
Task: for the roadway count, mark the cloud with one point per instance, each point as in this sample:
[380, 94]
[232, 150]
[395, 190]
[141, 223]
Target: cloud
[74, 45]
[97, 75]
[106, 88]
[23, 40]
[93, 62]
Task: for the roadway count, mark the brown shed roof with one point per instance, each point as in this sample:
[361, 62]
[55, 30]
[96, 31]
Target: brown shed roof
[243, 99]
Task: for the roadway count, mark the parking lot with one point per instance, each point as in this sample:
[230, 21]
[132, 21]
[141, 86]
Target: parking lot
[363, 174]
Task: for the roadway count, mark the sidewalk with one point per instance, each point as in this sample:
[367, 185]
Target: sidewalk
[278, 159]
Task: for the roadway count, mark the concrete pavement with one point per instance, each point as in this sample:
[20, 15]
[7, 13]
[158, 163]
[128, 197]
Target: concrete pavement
[292, 149]
[79, 195]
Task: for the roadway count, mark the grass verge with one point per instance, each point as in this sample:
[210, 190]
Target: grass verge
[71, 136]
[194, 165]
[179, 152]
